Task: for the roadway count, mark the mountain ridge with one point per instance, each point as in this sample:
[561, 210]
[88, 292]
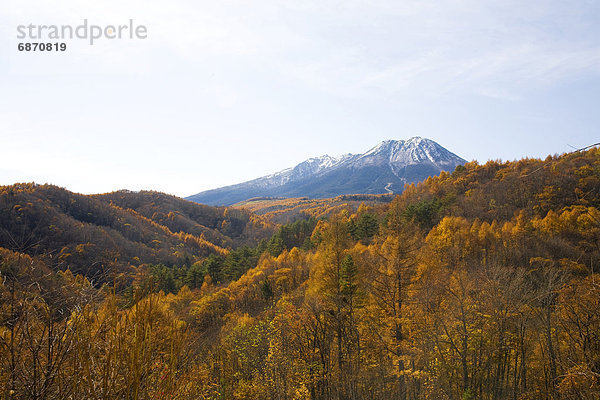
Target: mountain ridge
[384, 168]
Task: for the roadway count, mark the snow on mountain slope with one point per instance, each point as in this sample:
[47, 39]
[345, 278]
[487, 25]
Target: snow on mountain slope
[305, 169]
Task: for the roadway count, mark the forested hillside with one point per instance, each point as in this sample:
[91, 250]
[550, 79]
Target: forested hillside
[476, 284]
[107, 235]
[286, 210]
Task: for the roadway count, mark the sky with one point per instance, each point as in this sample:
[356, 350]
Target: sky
[223, 91]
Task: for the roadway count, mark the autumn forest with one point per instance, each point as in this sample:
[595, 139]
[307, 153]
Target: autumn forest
[480, 283]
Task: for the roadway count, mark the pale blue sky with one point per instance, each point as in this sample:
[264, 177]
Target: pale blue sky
[225, 91]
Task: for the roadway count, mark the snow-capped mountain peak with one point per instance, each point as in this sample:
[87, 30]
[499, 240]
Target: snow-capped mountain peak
[384, 168]
[414, 151]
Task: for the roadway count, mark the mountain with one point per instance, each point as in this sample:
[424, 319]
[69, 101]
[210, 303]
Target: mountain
[102, 236]
[385, 168]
